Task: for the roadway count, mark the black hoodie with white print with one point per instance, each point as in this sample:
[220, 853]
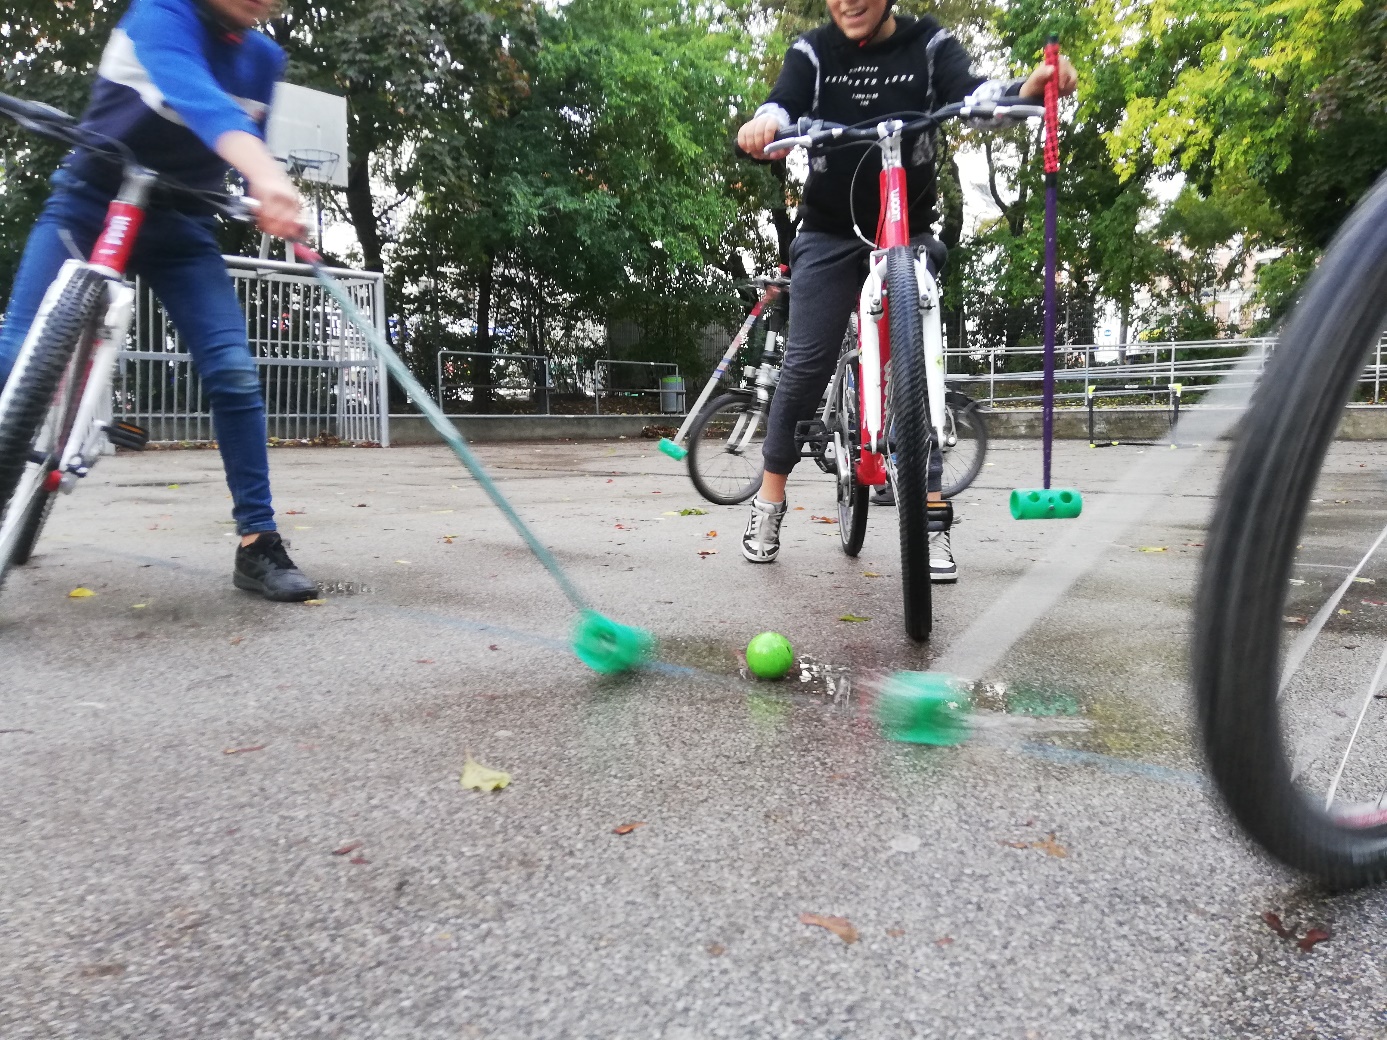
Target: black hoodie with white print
[918, 68]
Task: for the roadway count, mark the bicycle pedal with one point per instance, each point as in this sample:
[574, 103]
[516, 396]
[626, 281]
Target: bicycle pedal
[126, 435]
[812, 431]
[940, 515]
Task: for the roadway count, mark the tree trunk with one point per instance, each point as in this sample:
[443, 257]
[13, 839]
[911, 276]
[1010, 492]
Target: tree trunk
[362, 208]
[481, 367]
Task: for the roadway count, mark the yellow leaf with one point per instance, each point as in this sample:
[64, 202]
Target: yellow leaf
[314, 602]
[405, 562]
[173, 487]
[138, 606]
[1153, 548]
[81, 593]
[853, 618]
[480, 778]
[870, 574]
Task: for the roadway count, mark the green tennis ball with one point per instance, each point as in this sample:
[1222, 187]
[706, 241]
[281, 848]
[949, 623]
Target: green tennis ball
[769, 655]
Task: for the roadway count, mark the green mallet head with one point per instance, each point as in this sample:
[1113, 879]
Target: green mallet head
[671, 449]
[607, 647]
[769, 655]
[924, 708]
[1046, 504]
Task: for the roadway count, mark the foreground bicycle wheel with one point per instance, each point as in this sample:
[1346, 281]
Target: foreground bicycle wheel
[963, 460]
[1290, 648]
[847, 436]
[725, 443]
[40, 400]
[911, 430]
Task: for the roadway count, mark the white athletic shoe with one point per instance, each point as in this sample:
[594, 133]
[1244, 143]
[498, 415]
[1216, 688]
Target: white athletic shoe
[761, 540]
[942, 568]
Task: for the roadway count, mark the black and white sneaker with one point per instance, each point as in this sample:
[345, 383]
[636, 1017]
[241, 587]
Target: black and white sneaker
[264, 566]
[883, 496]
[942, 568]
[761, 540]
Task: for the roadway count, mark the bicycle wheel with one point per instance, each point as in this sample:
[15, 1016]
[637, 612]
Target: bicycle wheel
[1288, 666]
[725, 442]
[40, 401]
[910, 423]
[847, 436]
[963, 458]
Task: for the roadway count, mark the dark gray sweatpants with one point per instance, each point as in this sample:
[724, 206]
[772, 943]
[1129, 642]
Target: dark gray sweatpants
[826, 273]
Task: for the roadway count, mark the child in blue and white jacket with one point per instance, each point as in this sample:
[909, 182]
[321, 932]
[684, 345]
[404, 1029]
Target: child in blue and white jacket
[186, 86]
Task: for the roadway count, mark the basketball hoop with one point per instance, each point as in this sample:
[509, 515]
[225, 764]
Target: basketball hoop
[313, 164]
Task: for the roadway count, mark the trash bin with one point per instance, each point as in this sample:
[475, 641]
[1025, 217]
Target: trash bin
[672, 395]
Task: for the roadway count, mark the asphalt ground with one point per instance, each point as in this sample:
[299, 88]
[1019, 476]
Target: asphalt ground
[182, 763]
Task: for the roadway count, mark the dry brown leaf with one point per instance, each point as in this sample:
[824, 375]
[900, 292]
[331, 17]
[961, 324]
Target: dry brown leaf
[1312, 937]
[944, 940]
[895, 933]
[823, 519]
[839, 926]
[244, 750]
[627, 828]
[712, 534]
[1051, 847]
[716, 949]
[358, 860]
[424, 660]
[347, 850]
[1273, 921]
[708, 552]
[238, 640]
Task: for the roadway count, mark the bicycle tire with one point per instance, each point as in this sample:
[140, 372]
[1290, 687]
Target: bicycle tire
[40, 506]
[34, 385]
[964, 460]
[722, 418]
[909, 396]
[1260, 514]
[852, 496]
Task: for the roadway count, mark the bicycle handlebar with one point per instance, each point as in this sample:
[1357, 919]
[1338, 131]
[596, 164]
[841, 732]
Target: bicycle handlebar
[47, 121]
[818, 133]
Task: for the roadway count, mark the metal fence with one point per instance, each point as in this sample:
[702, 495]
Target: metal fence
[480, 383]
[1157, 370]
[319, 377]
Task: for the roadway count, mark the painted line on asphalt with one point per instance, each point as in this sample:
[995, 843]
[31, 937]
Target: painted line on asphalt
[1117, 766]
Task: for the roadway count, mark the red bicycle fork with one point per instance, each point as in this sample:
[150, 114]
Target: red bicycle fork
[111, 255]
[893, 229]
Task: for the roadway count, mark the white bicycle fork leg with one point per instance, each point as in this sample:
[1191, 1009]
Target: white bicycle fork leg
[932, 333]
[869, 358]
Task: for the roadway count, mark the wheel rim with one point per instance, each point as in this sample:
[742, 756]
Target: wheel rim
[728, 451]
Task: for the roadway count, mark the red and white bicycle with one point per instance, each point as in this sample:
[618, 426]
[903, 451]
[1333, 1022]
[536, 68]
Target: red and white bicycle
[51, 426]
[887, 412]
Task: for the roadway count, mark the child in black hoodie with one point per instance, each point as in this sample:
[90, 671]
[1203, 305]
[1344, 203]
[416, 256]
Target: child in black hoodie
[866, 63]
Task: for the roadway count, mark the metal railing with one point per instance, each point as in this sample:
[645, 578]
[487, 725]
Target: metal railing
[481, 382]
[1165, 373]
[606, 377]
[319, 377]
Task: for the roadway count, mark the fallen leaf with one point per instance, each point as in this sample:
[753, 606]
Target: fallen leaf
[359, 505]
[314, 602]
[1312, 937]
[1362, 581]
[839, 926]
[691, 511]
[424, 660]
[448, 539]
[895, 933]
[707, 552]
[823, 519]
[81, 593]
[481, 778]
[717, 949]
[1017, 844]
[1343, 611]
[493, 646]
[1274, 923]
[404, 562]
[1051, 847]
[244, 750]
[347, 850]
[712, 534]
[627, 828]
[138, 606]
[1291, 619]
[1154, 548]
[609, 480]
[358, 860]
[1373, 603]
[173, 487]
[854, 618]
[102, 971]
[944, 940]
[237, 641]
[798, 509]
[296, 512]
[840, 776]
[870, 574]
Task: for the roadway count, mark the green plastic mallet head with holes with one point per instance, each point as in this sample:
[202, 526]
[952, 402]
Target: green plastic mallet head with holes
[607, 646]
[924, 708]
[673, 450]
[1047, 503]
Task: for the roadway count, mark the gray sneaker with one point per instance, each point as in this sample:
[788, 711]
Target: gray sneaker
[761, 540]
[942, 568]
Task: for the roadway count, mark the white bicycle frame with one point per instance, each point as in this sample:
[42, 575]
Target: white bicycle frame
[87, 438]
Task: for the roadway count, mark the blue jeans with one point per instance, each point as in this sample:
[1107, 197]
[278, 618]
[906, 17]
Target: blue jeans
[179, 257]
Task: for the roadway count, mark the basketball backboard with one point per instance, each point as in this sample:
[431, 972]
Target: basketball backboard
[308, 133]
